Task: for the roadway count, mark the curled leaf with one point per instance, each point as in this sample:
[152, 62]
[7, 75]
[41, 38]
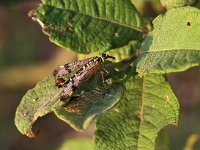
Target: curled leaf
[82, 109]
[37, 102]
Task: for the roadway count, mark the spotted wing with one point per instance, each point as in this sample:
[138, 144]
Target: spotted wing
[66, 69]
[78, 79]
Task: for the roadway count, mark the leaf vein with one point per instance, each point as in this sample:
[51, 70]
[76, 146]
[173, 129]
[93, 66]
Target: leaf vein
[100, 18]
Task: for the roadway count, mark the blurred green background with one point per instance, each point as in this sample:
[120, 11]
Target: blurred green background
[27, 56]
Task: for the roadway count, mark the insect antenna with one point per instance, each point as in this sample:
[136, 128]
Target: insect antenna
[105, 56]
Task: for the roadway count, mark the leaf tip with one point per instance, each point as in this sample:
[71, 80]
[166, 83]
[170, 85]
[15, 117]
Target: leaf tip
[30, 134]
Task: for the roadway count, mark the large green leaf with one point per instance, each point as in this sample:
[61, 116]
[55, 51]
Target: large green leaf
[90, 100]
[174, 44]
[89, 25]
[148, 105]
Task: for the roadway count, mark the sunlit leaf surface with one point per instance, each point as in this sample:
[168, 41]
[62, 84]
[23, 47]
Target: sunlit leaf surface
[147, 106]
[89, 25]
[174, 44]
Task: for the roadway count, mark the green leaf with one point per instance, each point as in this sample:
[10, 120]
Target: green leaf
[37, 102]
[174, 44]
[125, 51]
[89, 25]
[81, 111]
[148, 105]
[77, 144]
[90, 100]
[177, 3]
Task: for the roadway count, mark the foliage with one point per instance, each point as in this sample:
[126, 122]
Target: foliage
[129, 117]
[76, 144]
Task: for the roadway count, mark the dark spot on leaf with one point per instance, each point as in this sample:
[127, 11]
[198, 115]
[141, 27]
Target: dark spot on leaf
[75, 105]
[188, 24]
[72, 108]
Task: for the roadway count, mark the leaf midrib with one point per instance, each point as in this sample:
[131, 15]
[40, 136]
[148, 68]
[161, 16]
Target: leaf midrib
[141, 112]
[100, 18]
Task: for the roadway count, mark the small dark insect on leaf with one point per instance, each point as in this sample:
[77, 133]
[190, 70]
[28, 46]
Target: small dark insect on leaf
[89, 67]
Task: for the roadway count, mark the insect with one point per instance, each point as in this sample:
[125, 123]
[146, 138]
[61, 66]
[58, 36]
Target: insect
[66, 69]
[87, 69]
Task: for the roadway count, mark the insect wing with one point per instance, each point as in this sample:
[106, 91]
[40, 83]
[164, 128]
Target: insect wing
[76, 81]
[66, 69]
